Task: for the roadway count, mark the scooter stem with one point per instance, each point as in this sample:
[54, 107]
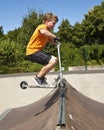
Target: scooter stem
[59, 58]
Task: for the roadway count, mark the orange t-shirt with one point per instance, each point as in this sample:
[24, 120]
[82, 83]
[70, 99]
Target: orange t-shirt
[37, 41]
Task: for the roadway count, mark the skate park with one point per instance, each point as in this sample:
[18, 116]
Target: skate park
[37, 108]
[74, 98]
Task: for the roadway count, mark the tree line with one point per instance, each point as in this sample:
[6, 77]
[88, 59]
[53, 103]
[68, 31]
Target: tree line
[82, 43]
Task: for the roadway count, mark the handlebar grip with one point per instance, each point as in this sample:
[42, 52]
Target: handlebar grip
[56, 39]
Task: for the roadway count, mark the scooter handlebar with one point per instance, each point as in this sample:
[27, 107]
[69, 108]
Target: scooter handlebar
[58, 44]
[56, 40]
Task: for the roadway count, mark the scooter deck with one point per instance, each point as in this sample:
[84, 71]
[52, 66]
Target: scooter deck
[25, 85]
[37, 86]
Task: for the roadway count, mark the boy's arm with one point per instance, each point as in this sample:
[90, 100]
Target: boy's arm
[51, 36]
[47, 33]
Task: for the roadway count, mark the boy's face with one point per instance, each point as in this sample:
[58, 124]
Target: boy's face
[50, 24]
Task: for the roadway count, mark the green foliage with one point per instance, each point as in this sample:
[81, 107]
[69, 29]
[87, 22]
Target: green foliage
[93, 25]
[13, 60]
[13, 35]
[93, 53]
[82, 43]
[65, 31]
[1, 31]
[78, 35]
[29, 24]
[10, 53]
[2, 36]
[70, 55]
[30, 67]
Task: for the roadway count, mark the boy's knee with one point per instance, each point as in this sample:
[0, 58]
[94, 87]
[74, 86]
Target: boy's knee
[54, 60]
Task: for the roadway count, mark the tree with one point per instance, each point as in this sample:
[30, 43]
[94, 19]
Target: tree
[13, 35]
[78, 35]
[93, 25]
[10, 53]
[1, 33]
[65, 31]
[29, 24]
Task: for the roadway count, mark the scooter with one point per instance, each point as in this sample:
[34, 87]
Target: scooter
[57, 82]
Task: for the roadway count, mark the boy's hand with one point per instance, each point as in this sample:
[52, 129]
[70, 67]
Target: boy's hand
[56, 40]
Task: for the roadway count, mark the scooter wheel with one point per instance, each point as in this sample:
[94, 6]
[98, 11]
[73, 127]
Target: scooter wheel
[23, 84]
[62, 85]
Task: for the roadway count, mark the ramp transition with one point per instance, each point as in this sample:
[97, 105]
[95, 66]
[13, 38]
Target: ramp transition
[81, 112]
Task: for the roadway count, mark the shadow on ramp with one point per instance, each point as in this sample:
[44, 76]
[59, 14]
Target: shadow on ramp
[82, 113]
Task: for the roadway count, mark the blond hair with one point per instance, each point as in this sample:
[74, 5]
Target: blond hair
[50, 16]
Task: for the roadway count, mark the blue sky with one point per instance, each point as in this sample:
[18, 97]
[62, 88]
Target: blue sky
[13, 11]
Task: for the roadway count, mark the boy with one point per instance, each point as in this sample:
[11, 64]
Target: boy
[37, 42]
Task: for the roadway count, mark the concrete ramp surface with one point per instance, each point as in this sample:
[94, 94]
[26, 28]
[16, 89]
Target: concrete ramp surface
[41, 115]
[81, 113]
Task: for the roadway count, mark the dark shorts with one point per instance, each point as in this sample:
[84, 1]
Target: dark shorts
[40, 57]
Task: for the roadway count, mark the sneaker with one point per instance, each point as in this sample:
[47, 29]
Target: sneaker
[44, 81]
[40, 81]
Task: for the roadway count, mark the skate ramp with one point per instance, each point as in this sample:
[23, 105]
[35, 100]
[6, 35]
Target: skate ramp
[41, 115]
[82, 113]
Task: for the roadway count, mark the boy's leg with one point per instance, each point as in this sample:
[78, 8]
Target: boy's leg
[40, 78]
[46, 59]
[45, 69]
